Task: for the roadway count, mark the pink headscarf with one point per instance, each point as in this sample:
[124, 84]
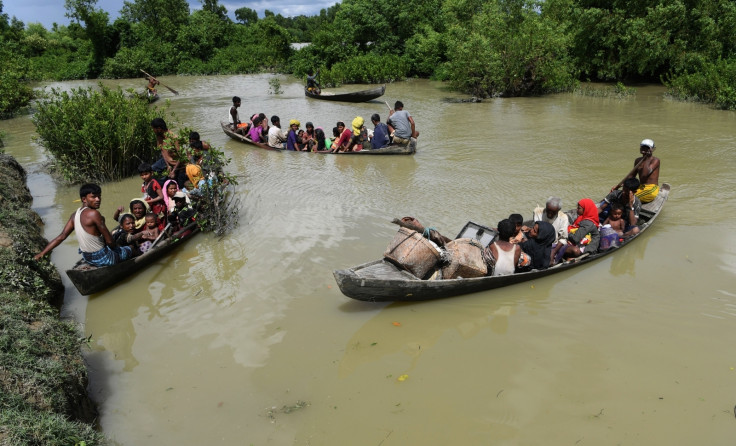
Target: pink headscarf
[169, 201]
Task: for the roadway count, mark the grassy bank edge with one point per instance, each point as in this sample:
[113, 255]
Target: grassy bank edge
[43, 378]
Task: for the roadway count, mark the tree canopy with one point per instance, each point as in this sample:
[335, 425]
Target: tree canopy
[482, 47]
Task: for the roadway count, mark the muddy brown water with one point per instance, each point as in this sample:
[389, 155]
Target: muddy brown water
[248, 340]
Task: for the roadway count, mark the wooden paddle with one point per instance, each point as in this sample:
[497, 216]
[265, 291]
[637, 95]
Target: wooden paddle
[170, 89]
[633, 171]
[168, 225]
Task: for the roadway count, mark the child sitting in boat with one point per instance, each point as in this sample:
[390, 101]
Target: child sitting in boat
[182, 214]
[125, 235]
[615, 218]
[153, 193]
[256, 131]
[150, 232]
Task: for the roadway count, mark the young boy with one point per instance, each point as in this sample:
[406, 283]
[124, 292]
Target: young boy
[182, 214]
[518, 222]
[615, 218]
[152, 191]
[95, 241]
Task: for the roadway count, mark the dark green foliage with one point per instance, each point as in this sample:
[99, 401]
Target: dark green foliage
[484, 47]
[367, 69]
[509, 53]
[42, 374]
[713, 83]
[96, 135]
[14, 93]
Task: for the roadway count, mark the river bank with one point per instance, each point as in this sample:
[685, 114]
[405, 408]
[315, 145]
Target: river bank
[43, 377]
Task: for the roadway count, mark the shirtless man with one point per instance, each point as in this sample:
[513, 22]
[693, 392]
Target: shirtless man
[95, 241]
[234, 118]
[167, 142]
[648, 172]
[152, 82]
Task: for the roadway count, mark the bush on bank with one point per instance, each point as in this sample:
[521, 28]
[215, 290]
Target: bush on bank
[715, 83]
[96, 135]
[43, 379]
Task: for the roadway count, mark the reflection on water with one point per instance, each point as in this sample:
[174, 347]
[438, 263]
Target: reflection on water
[214, 343]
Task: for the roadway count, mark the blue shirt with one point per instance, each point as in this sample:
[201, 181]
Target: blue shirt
[291, 140]
[380, 136]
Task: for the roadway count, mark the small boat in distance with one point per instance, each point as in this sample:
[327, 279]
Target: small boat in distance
[90, 279]
[393, 149]
[383, 281]
[357, 96]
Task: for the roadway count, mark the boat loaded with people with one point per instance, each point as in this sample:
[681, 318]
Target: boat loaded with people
[356, 96]
[390, 279]
[90, 279]
[392, 149]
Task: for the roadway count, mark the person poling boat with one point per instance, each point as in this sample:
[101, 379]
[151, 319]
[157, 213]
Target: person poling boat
[647, 168]
[152, 82]
[151, 87]
[313, 82]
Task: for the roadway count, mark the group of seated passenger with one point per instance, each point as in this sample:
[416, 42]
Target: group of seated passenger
[160, 209]
[554, 236]
[314, 139]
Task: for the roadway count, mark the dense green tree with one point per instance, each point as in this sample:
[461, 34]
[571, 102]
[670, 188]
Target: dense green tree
[246, 16]
[511, 54]
[205, 32]
[162, 18]
[96, 21]
[215, 8]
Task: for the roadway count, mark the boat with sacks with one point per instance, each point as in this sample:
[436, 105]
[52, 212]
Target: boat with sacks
[393, 149]
[415, 269]
[90, 279]
[356, 96]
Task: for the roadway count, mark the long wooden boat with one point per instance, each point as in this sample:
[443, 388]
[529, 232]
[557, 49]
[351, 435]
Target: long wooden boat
[90, 279]
[356, 96]
[393, 149]
[382, 281]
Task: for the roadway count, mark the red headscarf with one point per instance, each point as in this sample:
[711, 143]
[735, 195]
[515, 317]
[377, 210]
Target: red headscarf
[590, 212]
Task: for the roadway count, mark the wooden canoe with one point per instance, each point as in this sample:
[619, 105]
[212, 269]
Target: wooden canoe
[90, 279]
[356, 96]
[382, 281]
[393, 149]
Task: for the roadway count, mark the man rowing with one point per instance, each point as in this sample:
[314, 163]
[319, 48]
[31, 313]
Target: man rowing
[647, 168]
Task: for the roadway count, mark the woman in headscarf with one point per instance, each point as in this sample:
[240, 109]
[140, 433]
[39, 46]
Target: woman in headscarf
[359, 135]
[583, 235]
[322, 140]
[138, 209]
[539, 243]
[292, 139]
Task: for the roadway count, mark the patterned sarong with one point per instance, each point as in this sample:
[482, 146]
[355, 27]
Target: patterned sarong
[107, 256]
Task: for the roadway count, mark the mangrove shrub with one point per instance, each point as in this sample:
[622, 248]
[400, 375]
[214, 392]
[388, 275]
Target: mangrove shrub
[96, 135]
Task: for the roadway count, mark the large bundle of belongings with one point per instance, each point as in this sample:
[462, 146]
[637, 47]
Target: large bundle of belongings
[427, 254]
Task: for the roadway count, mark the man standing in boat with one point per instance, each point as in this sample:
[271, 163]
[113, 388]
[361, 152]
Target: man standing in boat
[312, 83]
[234, 118]
[647, 168]
[401, 124]
[151, 87]
[95, 241]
